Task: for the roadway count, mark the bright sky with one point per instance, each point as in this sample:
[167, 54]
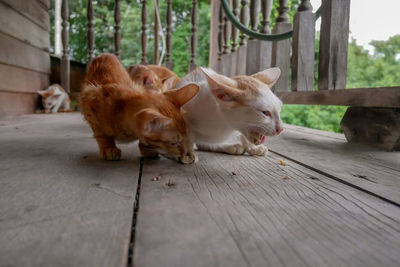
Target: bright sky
[371, 19]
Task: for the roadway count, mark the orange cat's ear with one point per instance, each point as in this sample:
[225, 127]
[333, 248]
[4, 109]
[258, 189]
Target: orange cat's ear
[141, 74]
[222, 87]
[180, 96]
[45, 93]
[152, 122]
[268, 76]
[169, 82]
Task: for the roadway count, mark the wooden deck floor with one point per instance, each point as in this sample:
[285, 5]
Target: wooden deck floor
[313, 201]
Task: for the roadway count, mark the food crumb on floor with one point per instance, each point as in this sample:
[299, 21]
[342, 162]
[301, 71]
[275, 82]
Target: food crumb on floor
[281, 162]
[286, 177]
[233, 173]
[157, 178]
[170, 183]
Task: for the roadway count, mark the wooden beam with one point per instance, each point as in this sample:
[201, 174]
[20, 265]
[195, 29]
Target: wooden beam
[360, 97]
[214, 34]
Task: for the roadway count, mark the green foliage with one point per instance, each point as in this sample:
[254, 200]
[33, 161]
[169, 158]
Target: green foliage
[318, 117]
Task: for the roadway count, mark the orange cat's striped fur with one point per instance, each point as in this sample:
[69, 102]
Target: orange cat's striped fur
[118, 109]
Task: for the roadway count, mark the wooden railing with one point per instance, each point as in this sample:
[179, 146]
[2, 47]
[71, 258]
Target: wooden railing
[295, 55]
[65, 71]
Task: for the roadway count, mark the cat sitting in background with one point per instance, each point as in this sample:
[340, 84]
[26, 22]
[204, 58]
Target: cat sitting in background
[55, 99]
[233, 115]
[154, 78]
[118, 109]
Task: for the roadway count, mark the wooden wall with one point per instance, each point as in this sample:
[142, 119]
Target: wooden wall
[24, 54]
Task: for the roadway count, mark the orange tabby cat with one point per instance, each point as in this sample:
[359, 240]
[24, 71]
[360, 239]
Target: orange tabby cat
[154, 78]
[118, 109]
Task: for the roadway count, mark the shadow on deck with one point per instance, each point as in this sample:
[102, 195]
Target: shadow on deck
[315, 200]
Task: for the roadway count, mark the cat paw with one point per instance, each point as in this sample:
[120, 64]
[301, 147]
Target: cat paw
[112, 153]
[189, 158]
[237, 149]
[259, 150]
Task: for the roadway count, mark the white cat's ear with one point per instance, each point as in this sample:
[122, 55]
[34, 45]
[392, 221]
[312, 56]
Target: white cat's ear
[181, 96]
[222, 87]
[41, 92]
[151, 121]
[169, 82]
[268, 76]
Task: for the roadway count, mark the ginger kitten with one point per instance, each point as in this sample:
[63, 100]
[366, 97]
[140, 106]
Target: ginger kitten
[154, 78]
[118, 109]
[233, 115]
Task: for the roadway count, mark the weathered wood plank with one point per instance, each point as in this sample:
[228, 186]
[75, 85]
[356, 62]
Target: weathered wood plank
[45, 4]
[361, 97]
[370, 169]
[23, 29]
[260, 56]
[63, 206]
[14, 52]
[281, 56]
[334, 38]
[14, 103]
[303, 58]
[241, 211]
[14, 79]
[31, 10]
[215, 33]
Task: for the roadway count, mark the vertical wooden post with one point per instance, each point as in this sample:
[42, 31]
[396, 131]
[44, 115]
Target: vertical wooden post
[253, 55]
[214, 56]
[193, 37]
[333, 44]
[241, 58]
[168, 58]
[303, 48]
[144, 35]
[220, 38]
[281, 49]
[64, 64]
[265, 47]
[227, 38]
[234, 36]
[90, 32]
[155, 51]
[117, 33]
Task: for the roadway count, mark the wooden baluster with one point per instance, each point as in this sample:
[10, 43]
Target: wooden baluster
[241, 57]
[144, 35]
[303, 48]
[225, 66]
[232, 70]
[254, 14]
[283, 11]
[332, 69]
[155, 57]
[168, 58]
[253, 45]
[90, 32]
[235, 31]
[220, 32]
[64, 64]
[281, 49]
[266, 8]
[244, 19]
[193, 37]
[227, 32]
[117, 32]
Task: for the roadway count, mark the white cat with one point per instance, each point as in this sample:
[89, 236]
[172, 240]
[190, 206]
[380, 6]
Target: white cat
[55, 99]
[233, 115]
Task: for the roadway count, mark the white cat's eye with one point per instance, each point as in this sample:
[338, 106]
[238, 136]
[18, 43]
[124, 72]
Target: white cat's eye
[267, 113]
